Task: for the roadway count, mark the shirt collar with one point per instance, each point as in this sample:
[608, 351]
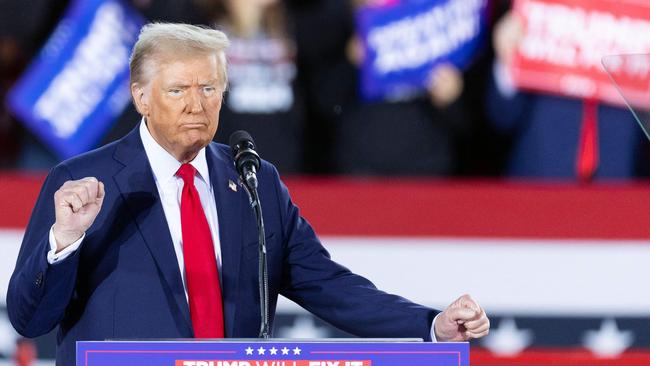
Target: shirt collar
[163, 164]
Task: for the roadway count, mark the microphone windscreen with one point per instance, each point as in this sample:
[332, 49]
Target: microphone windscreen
[237, 137]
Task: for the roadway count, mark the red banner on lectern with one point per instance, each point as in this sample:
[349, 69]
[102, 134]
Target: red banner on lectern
[565, 41]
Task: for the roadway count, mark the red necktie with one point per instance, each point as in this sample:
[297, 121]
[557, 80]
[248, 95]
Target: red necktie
[587, 160]
[201, 273]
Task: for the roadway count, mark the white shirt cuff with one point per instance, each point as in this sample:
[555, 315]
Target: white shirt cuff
[433, 329]
[503, 80]
[53, 257]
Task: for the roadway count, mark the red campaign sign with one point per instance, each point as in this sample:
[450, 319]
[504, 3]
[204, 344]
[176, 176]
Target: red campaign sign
[565, 41]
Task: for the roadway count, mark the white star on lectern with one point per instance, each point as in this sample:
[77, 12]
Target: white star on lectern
[249, 350]
[274, 351]
[296, 351]
[608, 341]
[285, 351]
[260, 351]
[507, 340]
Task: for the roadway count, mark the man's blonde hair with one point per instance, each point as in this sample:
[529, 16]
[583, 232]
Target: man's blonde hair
[158, 40]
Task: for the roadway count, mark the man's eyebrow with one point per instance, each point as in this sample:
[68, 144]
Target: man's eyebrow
[209, 82]
[184, 85]
[177, 85]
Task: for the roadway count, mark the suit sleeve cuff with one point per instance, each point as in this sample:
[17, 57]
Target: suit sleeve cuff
[433, 329]
[53, 257]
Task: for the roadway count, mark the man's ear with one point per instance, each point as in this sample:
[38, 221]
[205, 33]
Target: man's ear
[140, 99]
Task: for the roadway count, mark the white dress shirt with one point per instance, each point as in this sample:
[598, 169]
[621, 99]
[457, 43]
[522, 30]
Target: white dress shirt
[170, 187]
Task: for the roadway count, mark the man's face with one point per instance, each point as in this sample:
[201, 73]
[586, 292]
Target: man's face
[181, 103]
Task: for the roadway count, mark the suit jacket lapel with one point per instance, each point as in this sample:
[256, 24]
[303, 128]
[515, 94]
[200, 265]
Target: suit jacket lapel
[230, 204]
[138, 188]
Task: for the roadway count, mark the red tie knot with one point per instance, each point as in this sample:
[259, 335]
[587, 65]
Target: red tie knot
[187, 173]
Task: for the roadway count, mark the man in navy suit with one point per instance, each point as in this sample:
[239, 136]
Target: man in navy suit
[103, 255]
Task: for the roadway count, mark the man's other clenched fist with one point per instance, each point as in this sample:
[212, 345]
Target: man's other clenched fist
[76, 206]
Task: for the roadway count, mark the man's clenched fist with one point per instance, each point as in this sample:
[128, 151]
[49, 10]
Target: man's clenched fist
[76, 206]
[461, 321]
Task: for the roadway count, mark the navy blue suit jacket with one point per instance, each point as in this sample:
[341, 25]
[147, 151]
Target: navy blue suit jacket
[124, 281]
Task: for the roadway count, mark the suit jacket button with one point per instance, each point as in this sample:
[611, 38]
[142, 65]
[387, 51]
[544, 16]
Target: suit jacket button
[39, 279]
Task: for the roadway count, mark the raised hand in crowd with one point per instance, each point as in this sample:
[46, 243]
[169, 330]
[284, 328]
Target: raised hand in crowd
[445, 85]
[508, 33]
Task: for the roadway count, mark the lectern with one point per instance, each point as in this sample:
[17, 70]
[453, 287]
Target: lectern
[272, 352]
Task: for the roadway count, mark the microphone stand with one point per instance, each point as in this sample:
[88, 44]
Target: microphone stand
[251, 188]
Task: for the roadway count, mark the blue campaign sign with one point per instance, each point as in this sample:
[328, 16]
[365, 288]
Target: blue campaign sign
[271, 353]
[79, 83]
[404, 42]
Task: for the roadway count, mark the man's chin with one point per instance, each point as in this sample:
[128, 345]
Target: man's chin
[198, 144]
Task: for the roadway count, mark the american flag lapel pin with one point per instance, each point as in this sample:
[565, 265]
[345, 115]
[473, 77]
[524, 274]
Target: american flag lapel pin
[232, 185]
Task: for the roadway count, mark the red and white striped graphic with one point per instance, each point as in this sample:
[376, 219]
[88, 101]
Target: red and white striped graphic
[533, 254]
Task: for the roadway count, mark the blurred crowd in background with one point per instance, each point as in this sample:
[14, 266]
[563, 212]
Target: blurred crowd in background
[293, 84]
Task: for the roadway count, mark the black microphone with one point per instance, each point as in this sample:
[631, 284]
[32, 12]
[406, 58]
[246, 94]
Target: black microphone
[247, 161]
